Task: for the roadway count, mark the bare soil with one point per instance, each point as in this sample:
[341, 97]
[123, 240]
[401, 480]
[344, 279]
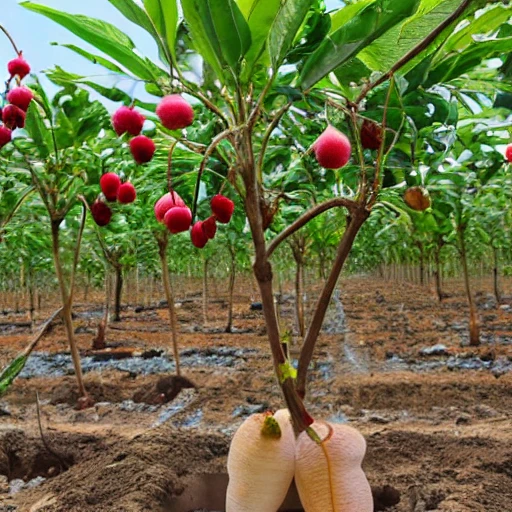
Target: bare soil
[437, 421]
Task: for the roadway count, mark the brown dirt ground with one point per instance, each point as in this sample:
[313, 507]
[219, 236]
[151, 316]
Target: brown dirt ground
[442, 438]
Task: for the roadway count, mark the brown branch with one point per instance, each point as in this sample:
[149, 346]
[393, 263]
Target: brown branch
[423, 45]
[354, 224]
[307, 217]
[10, 39]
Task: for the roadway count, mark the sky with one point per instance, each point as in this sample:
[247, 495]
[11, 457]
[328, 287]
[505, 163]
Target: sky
[33, 34]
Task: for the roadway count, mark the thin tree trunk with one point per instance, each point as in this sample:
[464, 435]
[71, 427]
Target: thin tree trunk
[66, 310]
[497, 292]
[169, 295]
[99, 342]
[232, 277]
[299, 306]
[474, 327]
[439, 289]
[119, 293]
[205, 292]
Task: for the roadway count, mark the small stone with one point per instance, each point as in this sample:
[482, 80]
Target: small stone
[4, 484]
[436, 350]
[463, 419]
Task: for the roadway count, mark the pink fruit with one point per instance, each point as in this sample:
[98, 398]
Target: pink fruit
[332, 149]
[101, 213]
[175, 113]
[210, 227]
[5, 136]
[222, 208]
[18, 66]
[126, 193]
[197, 235]
[178, 219]
[142, 148]
[110, 183]
[127, 120]
[21, 97]
[13, 117]
[165, 203]
[508, 153]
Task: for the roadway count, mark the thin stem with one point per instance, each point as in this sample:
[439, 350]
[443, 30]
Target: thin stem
[307, 217]
[17, 206]
[169, 165]
[354, 224]
[209, 151]
[76, 255]
[4, 30]
[423, 45]
[253, 117]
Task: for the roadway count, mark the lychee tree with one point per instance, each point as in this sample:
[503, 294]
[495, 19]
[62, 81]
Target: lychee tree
[368, 66]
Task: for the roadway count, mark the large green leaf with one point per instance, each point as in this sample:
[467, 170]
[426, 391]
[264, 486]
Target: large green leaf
[219, 31]
[95, 59]
[164, 16]
[103, 36]
[284, 29]
[346, 41]
[38, 132]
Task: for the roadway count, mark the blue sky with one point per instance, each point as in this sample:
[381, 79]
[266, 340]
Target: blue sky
[33, 34]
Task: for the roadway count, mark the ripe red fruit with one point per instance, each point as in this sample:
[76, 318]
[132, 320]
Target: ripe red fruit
[197, 235]
[5, 136]
[175, 113]
[13, 117]
[508, 153]
[110, 183]
[21, 97]
[126, 193]
[165, 203]
[178, 219]
[142, 148]
[210, 227]
[371, 135]
[126, 119]
[101, 213]
[417, 198]
[222, 208]
[332, 149]
[18, 66]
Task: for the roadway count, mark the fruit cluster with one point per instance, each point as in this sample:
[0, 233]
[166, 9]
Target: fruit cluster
[113, 190]
[172, 211]
[19, 98]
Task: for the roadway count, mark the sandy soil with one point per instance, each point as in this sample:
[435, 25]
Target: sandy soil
[437, 421]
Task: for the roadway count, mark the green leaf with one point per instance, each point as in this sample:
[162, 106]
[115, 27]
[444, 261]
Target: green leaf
[38, 132]
[345, 42]
[164, 15]
[219, 32]
[95, 59]
[284, 29]
[103, 36]
[11, 372]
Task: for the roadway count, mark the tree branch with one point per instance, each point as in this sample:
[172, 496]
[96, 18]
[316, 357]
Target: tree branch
[423, 45]
[307, 217]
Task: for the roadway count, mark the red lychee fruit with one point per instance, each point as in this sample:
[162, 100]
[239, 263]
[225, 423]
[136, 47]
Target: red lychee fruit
[417, 198]
[142, 148]
[126, 193]
[371, 135]
[101, 213]
[110, 183]
[165, 203]
[210, 227]
[175, 113]
[13, 117]
[18, 66]
[332, 148]
[508, 153]
[21, 97]
[127, 120]
[5, 136]
[199, 239]
[178, 219]
[222, 208]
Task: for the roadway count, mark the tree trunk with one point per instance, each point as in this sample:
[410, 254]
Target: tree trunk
[205, 292]
[474, 327]
[232, 276]
[422, 266]
[438, 276]
[119, 293]
[169, 295]
[66, 310]
[297, 249]
[99, 342]
[497, 292]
